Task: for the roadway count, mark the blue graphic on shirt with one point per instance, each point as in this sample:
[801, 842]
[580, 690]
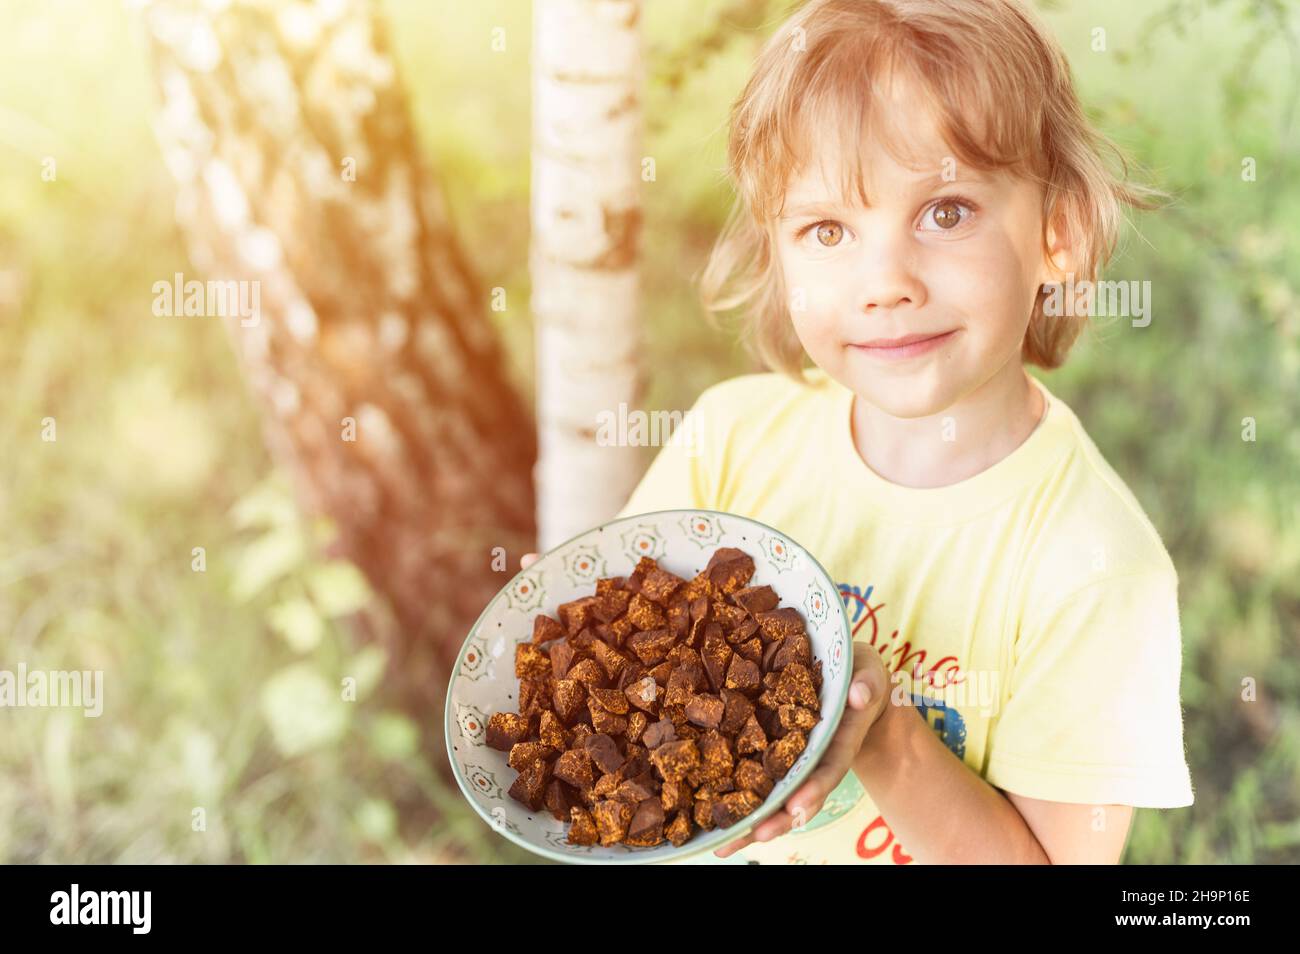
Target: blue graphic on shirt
[855, 601]
[945, 721]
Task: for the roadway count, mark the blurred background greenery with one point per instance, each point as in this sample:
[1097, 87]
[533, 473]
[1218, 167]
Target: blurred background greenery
[221, 682]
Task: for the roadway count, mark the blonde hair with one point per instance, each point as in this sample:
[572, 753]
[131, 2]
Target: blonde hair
[1003, 96]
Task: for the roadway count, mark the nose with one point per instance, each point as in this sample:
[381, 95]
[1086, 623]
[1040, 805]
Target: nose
[887, 276]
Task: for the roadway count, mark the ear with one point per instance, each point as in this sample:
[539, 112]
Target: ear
[1060, 256]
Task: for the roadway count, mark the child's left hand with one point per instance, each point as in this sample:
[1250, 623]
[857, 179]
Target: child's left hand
[868, 696]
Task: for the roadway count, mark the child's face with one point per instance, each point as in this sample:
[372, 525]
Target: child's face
[962, 259]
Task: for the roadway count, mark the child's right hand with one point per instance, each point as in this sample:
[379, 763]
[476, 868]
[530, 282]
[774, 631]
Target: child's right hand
[869, 697]
[527, 560]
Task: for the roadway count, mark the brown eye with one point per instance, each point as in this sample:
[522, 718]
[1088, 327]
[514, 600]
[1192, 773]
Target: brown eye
[947, 215]
[830, 234]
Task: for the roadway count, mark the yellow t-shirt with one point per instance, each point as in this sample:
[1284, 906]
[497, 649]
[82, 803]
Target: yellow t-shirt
[1032, 608]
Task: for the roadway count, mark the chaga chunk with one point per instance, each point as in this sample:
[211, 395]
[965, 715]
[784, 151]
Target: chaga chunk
[715, 756]
[578, 734]
[730, 569]
[604, 752]
[647, 826]
[578, 614]
[558, 799]
[751, 738]
[582, 830]
[569, 699]
[795, 686]
[608, 785]
[756, 599]
[506, 729]
[751, 649]
[530, 787]
[661, 672]
[636, 790]
[645, 614]
[780, 756]
[530, 660]
[794, 649]
[546, 628]
[621, 629]
[657, 733]
[705, 710]
[738, 709]
[780, 623]
[730, 619]
[659, 585]
[679, 832]
[697, 586]
[550, 733]
[770, 652]
[742, 674]
[606, 722]
[610, 659]
[695, 635]
[679, 619]
[676, 715]
[536, 696]
[643, 566]
[675, 759]
[644, 694]
[588, 672]
[637, 723]
[734, 806]
[638, 760]
[702, 809]
[608, 584]
[611, 699]
[797, 717]
[769, 720]
[523, 754]
[563, 654]
[749, 776]
[700, 608]
[675, 795]
[683, 683]
[612, 818]
[610, 606]
[716, 655]
[651, 646]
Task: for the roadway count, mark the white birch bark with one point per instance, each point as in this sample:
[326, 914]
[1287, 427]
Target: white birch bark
[586, 222]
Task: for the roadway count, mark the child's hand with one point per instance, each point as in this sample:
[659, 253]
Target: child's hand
[868, 696]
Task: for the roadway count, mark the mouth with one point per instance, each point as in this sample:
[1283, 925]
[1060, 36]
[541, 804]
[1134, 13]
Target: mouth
[904, 347]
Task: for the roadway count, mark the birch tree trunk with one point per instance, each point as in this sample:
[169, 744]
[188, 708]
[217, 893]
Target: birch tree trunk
[586, 218]
[383, 384]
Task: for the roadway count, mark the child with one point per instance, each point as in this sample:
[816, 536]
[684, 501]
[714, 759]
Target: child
[914, 177]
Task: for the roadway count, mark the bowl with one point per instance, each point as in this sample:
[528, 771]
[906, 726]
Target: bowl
[483, 681]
